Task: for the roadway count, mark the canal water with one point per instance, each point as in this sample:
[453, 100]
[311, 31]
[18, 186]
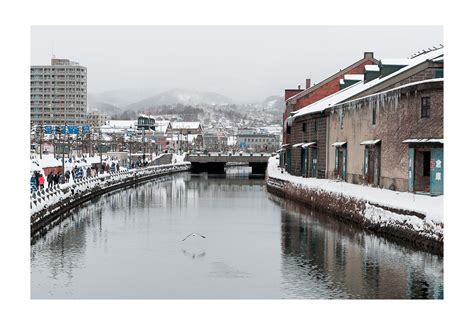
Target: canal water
[129, 244]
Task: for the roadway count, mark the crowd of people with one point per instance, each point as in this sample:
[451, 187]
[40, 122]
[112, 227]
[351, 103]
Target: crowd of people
[37, 180]
[138, 164]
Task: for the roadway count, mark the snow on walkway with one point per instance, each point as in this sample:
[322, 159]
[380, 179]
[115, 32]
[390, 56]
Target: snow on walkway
[427, 205]
[48, 160]
[42, 200]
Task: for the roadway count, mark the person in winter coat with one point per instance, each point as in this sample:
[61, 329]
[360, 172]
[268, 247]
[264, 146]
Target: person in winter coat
[50, 179]
[67, 175]
[41, 181]
[74, 172]
[88, 172]
[37, 174]
[78, 175]
[33, 186]
[56, 179]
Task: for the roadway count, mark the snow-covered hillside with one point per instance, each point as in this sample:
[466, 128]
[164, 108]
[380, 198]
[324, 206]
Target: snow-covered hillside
[180, 96]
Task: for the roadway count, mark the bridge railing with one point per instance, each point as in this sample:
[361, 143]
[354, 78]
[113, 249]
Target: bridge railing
[241, 154]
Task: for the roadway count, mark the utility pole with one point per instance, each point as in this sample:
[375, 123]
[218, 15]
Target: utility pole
[129, 153]
[41, 140]
[63, 146]
[143, 144]
[100, 147]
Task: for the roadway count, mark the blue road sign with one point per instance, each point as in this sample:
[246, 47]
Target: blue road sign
[85, 129]
[63, 130]
[47, 129]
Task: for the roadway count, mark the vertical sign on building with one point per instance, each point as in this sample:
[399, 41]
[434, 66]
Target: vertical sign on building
[366, 162]
[436, 173]
[344, 162]
[411, 168]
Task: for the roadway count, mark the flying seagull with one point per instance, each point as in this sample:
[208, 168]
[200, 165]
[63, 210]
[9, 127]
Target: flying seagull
[194, 235]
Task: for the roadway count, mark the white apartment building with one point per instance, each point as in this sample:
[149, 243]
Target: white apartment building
[59, 93]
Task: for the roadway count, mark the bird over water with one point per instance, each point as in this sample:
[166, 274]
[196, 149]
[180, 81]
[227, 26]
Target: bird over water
[193, 235]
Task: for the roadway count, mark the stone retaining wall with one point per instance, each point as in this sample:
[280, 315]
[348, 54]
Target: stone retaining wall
[389, 222]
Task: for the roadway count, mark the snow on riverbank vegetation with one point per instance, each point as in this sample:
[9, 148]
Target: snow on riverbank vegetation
[431, 207]
[402, 213]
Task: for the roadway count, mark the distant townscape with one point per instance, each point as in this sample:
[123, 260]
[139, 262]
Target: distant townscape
[64, 117]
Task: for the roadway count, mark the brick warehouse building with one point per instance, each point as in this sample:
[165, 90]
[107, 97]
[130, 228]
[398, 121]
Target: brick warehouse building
[298, 98]
[306, 150]
[319, 135]
[381, 132]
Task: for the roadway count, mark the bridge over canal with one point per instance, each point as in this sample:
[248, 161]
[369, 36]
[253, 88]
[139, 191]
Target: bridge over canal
[215, 162]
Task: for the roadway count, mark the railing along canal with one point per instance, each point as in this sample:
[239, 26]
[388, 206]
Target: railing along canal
[50, 203]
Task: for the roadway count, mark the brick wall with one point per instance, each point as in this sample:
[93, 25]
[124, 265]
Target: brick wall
[325, 90]
[329, 88]
[288, 109]
[291, 92]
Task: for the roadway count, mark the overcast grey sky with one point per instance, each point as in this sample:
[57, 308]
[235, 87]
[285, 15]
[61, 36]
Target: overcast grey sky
[245, 63]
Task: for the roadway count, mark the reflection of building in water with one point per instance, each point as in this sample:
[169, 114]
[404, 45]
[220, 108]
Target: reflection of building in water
[319, 250]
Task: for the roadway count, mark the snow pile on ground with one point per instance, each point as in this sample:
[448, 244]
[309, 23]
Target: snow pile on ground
[431, 207]
[383, 218]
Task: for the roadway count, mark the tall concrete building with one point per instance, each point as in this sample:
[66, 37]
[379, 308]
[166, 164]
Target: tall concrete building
[59, 93]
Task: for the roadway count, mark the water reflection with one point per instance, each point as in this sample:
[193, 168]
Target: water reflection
[128, 244]
[320, 252]
[194, 254]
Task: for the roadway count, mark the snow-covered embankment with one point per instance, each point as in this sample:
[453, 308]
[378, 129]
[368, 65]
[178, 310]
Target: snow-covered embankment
[49, 204]
[408, 216]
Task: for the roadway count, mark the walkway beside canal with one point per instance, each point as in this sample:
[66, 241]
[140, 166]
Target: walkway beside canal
[411, 217]
[49, 204]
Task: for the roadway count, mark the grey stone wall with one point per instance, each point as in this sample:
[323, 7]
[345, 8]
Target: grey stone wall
[351, 210]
